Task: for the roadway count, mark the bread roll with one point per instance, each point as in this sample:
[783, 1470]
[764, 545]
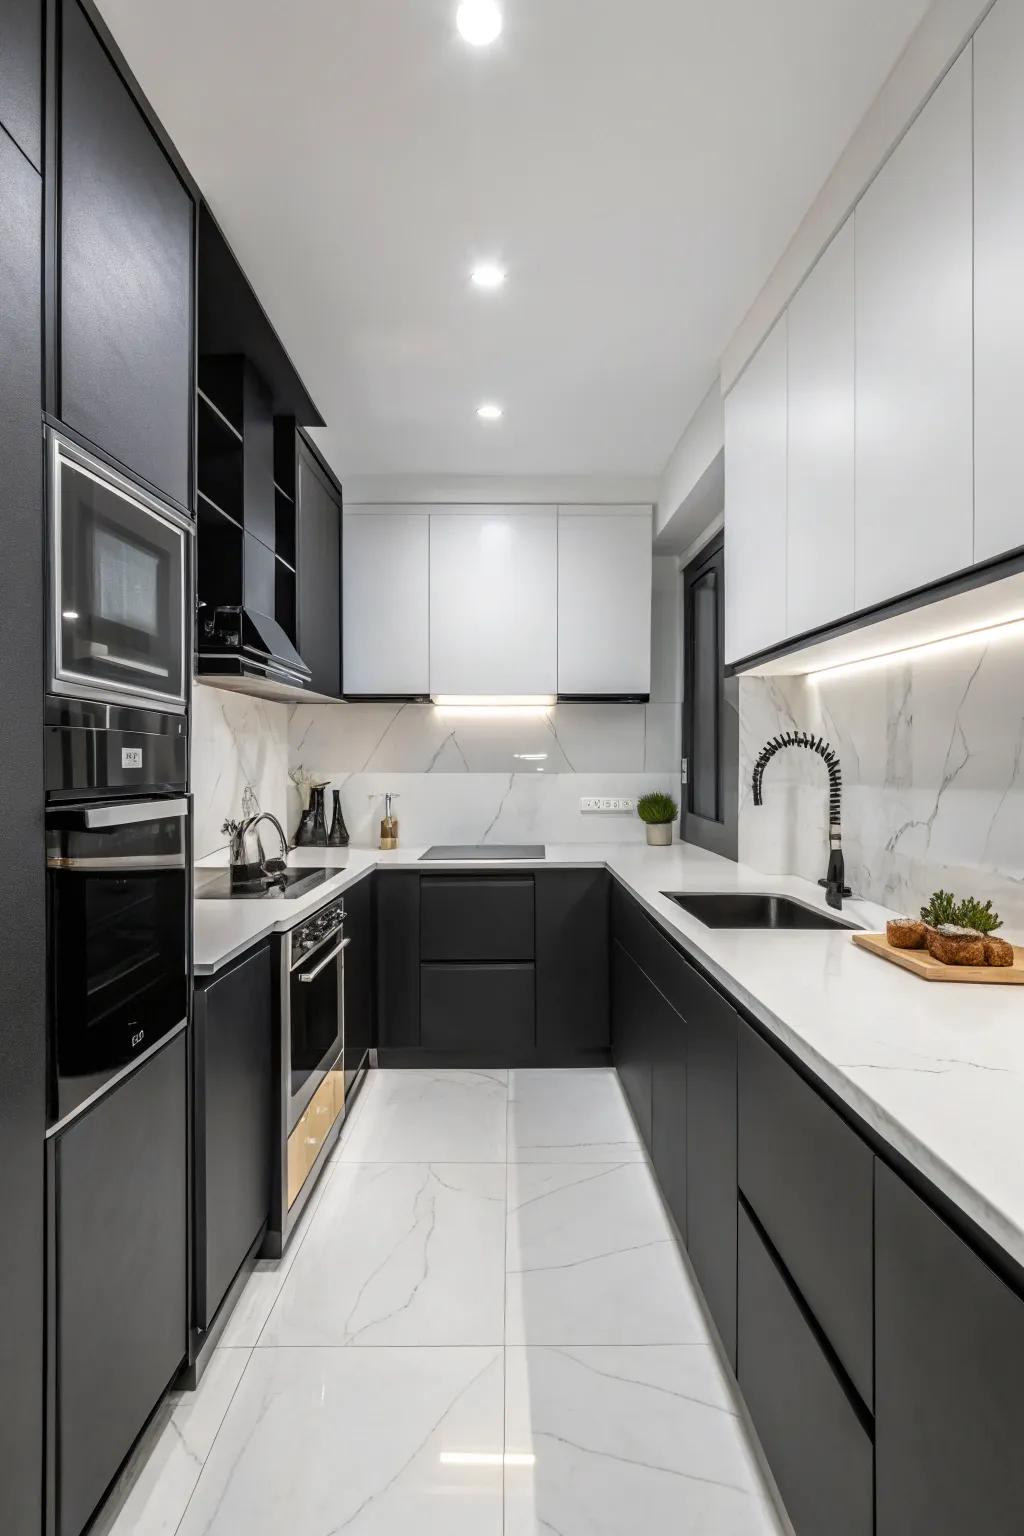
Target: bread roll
[907, 933]
[998, 952]
[956, 946]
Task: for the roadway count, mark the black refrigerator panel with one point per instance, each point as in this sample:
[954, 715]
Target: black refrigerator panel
[119, 1278]
[22, 895]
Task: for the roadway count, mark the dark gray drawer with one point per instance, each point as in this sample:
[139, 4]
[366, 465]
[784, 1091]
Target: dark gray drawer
[655, 954]
[481, 1008]
[465, 917]
[817, 1447]
[809, 1179]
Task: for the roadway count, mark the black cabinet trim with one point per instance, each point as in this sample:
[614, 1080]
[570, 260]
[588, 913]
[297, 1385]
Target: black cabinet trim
[854, 1398]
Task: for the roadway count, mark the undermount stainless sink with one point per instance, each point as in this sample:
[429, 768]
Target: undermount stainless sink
[753, 909]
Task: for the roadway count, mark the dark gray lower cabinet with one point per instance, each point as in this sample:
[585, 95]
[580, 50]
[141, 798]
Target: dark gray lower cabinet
[118, 1280]
[711, 1031]
[484, 1009]
[817, 1445]
[469, 917]
[809, 1178]
[233, 1107]
[483, 966]
[359, 976]
[949, 1378]
[573, 1011]
[668, 1103]
[632, 1037]
[398, 959]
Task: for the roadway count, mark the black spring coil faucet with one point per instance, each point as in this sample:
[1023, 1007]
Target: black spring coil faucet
[835, 876]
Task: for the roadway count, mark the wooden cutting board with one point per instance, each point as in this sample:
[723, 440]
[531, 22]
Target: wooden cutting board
[923, 964]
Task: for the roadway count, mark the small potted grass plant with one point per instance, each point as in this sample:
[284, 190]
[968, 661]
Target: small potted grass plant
[657, 811]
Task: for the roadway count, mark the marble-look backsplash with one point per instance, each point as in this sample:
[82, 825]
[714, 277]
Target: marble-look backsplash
[933, 781]
[236, 741]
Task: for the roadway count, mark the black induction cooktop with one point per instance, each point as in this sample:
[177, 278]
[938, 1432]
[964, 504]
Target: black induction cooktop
[486, 851]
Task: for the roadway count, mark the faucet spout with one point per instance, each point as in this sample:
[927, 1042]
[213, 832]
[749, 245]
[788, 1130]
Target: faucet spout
[835, 875]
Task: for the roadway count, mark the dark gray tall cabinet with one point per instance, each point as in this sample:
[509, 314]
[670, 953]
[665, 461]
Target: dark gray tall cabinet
[22, 912]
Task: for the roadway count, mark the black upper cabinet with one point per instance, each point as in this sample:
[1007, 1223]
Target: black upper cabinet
[949, 1368]
[22, 851]
[124, 273]
[234, 1066]
[21, 75]
[572, 960]
[319, 571]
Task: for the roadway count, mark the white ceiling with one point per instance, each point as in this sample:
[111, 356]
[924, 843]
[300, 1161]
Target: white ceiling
[638, 164]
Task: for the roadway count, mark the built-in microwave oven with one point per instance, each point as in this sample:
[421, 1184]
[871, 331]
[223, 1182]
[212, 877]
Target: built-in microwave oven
[119, 563]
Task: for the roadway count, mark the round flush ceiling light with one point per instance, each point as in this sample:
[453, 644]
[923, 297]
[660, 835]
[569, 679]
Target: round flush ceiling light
[479, 21]
[489, 412]
[487, 274]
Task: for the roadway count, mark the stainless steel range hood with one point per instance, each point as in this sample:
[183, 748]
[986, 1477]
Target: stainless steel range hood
[249, 652]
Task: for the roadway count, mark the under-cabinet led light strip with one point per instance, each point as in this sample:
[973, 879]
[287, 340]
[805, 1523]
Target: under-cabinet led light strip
[1011, 629]
[482, 704]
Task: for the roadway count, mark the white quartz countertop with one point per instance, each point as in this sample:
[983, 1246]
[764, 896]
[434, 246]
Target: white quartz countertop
[937, 1069]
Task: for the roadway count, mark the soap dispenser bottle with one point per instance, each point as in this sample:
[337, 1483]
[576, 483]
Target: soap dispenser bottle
[389, 825]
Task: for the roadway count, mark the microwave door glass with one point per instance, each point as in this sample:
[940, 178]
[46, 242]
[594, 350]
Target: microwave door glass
[121, 584]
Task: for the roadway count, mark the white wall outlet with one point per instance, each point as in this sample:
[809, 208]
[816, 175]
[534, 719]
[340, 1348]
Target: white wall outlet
[614, 804]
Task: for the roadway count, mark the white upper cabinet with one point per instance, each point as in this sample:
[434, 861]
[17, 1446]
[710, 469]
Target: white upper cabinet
[493, 601]
[820, 540]
[386, 602]
[755, 502]
[604, 600]
[914, 292]
[998, 285]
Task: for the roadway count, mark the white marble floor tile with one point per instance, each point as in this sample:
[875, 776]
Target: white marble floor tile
[432, 1117]
[150, 1496]
[355, 1110]
[263, 1286]
[399, 1253]
[621, 1440]
[372, 1442]
[569, 1117]
[590, 1259]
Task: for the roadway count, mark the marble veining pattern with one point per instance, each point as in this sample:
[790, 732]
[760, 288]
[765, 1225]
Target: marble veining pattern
[932, 752]
[398, 1385]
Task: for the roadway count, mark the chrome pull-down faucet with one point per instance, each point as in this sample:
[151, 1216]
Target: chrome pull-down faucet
[835, 875]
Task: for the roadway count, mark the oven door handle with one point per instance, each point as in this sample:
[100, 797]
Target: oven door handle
[309, 976]
[94, 817]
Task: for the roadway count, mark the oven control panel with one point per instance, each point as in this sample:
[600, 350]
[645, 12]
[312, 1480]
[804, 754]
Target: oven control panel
[327, 921]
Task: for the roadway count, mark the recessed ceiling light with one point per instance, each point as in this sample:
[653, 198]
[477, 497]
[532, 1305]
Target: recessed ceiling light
[488, 274]
[489, 412]
[479, 21]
